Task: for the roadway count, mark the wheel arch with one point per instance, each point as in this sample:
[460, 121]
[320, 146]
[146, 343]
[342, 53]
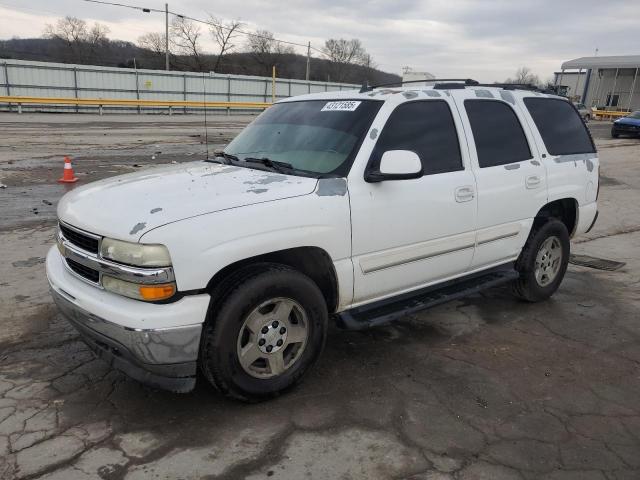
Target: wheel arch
[314, 262]
[564, 209]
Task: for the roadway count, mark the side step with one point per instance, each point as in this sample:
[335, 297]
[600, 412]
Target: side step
[388, 310]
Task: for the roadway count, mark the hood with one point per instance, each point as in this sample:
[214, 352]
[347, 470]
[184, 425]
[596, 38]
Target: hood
[127, 206]
[628, 121]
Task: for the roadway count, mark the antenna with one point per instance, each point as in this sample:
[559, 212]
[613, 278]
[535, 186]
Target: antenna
[204, 104]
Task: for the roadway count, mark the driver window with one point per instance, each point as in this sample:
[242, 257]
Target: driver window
[426, 128]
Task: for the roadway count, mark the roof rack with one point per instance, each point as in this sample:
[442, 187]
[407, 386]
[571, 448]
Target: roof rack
[459, 83]
[510, 86]
[467, 81]
[521, 86]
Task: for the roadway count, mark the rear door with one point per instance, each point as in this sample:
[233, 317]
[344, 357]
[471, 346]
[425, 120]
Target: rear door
[511, 180]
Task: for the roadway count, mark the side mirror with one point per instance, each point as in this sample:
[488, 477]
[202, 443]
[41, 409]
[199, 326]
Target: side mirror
[396, 165]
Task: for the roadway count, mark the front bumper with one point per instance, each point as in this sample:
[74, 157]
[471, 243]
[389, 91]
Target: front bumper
[156, 344]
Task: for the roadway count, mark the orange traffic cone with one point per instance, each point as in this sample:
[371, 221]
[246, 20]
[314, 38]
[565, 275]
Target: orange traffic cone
[67, 173]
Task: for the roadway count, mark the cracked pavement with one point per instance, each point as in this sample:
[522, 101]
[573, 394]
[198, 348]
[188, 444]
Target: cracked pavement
[483, 388]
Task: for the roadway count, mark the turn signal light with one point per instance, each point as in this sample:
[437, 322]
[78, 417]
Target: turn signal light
[149, 293]
[154, 293]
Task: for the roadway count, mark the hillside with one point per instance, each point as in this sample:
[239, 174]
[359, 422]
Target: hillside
[116, 53]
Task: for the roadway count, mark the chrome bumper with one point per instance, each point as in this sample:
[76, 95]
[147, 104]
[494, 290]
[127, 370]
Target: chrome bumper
[163, 358]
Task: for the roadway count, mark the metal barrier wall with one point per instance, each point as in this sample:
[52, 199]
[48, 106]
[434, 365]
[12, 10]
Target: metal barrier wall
[58, 80]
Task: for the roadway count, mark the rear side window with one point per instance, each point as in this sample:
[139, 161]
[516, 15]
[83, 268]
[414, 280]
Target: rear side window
[497, 132]
[425, 128]
[560, 126]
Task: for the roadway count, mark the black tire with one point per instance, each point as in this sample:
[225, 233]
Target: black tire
[527, 287]
[614, 134]
[235, 300]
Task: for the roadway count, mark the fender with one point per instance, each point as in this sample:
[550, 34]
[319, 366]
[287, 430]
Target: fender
[202, 246]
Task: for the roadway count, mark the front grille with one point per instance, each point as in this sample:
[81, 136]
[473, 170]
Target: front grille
[81, 240]
[85, 272]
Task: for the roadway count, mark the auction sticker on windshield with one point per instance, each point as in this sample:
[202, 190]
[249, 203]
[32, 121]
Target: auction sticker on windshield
[344, 106]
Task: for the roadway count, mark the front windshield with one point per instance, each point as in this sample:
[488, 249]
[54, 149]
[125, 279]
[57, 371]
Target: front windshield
[316, 136]
[635, 115]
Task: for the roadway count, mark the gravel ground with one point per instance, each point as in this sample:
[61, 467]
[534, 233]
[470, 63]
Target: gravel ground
[483, 388]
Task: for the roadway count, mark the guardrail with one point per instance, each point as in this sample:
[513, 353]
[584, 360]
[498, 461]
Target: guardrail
[609, 113]
[101, 102]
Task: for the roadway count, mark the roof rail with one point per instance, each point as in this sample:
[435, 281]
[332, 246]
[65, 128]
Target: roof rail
[466, 81]
[510, 86]
[450, 86]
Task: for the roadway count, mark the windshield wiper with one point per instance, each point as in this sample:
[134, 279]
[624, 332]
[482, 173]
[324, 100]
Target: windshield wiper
[279, 167]
[225, 158]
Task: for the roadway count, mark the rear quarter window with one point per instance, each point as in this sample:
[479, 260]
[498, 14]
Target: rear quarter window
[560, 126]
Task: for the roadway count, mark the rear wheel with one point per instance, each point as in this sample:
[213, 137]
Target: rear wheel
[543, 261]
[263, 333]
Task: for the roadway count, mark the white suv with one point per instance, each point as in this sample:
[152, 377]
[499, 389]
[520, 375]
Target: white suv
[356, 206]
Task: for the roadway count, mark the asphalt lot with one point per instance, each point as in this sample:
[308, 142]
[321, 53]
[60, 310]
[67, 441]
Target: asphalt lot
[483, 388]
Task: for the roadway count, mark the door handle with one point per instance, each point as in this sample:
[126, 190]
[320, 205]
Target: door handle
[464, 194]
[533, 181]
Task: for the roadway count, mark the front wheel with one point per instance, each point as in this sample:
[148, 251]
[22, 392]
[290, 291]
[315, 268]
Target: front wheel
[543, 261]
[264, 333]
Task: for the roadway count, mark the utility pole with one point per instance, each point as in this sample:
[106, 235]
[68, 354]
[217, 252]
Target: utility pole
[273, 84]
[166, 36]
[308, 60]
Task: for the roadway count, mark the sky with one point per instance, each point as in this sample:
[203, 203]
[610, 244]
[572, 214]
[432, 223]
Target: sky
[482, 39]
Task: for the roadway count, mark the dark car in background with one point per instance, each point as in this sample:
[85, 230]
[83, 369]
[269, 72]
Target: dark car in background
[629, 125]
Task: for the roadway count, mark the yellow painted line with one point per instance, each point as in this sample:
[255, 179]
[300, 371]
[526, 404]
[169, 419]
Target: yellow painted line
[128, 102]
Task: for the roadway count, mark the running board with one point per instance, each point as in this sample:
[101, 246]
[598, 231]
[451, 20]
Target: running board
[388, 310]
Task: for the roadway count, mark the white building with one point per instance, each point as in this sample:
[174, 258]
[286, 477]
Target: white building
[611, 83]
[411, 76]
[570, 82]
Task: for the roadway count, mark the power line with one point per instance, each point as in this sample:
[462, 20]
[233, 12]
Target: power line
[224, 27]
[143, 9]
[205, 22]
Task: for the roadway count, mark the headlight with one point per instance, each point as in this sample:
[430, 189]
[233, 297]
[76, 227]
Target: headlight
[149, 293]
[135, 254]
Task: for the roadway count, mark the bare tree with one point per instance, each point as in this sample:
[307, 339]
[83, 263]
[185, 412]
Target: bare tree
[367, 61]
[283, 49]
[153, 41]
[98, 34]
[70, 30]
[81, 41]
[524, 76]
[154, 46]
[342, 52]
[267, 50]
[261, 42]
[185, 35]
[224, 34]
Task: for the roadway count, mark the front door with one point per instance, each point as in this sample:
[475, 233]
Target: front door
[410, 233]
